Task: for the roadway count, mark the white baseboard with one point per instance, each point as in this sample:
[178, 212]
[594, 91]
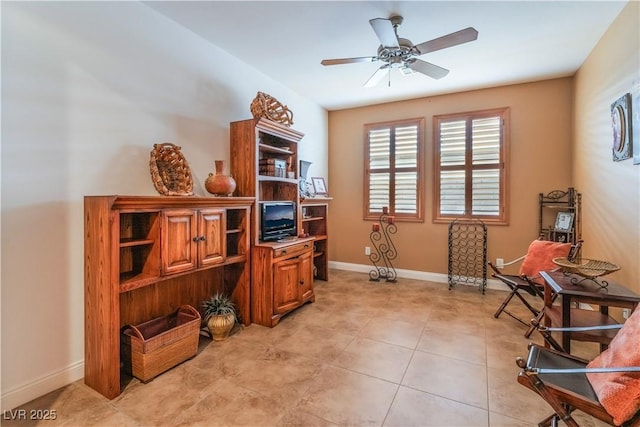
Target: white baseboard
[41, 386]
[412, 274]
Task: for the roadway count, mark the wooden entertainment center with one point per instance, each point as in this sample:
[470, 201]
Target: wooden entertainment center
[282, 271]
[146, 256]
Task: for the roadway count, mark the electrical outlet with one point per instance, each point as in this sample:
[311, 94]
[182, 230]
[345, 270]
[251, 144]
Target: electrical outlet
[626, 313]
[500, 262]
[367, 250]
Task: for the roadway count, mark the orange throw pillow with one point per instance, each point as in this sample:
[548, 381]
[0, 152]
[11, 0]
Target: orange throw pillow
[540, 258]
[619, 392]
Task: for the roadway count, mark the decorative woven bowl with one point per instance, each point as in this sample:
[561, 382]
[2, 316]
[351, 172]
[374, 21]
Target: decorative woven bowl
[267, 106]
[588, 268]
[170, 171]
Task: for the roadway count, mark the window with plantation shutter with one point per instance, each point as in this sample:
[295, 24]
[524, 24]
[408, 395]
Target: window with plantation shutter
[393, 169]
[470, 166]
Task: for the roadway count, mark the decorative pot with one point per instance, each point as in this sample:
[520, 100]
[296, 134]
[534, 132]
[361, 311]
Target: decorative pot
[220, 326]
[220, 184]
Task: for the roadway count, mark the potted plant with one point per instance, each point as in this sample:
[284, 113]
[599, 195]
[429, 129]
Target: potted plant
[220, 315]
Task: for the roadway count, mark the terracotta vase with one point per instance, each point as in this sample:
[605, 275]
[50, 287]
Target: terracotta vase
[219, 183]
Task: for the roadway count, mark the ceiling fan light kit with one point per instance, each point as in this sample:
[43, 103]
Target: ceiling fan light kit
[399, 53]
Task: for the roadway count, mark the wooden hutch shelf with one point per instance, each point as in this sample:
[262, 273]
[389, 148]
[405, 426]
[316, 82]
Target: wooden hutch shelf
[145, 256]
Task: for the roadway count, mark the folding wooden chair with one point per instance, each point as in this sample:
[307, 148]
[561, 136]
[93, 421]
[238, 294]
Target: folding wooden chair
[539, 258]
[607, 388]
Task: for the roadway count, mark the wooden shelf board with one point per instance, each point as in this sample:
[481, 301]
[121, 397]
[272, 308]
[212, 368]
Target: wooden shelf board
[234, 259]
[125, 243]
[316, 201]
[153, 203]
[272, 149]
[267, 178]
[131, 281]
[313, 218]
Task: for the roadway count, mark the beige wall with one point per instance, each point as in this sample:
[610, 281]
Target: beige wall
[87, 89]
[539, 161]
[612, 189]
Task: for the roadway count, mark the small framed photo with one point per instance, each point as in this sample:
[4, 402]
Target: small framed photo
[319, 185]
[564, 221]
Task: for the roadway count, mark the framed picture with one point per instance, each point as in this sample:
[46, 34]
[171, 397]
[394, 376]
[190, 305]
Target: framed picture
[621, 125]
[319, 185]
[564, 221]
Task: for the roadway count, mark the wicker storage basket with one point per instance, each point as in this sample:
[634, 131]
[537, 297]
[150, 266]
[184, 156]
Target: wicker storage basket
[158, 345]
[170, 171]
[267, 106]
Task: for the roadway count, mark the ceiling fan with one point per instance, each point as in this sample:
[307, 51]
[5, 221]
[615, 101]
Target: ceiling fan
[399, 53]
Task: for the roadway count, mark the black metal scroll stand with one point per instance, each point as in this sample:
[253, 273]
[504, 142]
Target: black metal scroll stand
[575, 281]
[384, 249]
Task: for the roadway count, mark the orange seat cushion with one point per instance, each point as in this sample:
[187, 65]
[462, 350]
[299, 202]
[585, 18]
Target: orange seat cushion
[540, 258]
[619, 392]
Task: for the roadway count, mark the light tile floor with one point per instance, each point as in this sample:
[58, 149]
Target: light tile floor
[411, 353]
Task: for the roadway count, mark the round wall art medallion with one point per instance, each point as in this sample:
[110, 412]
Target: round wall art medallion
[621, 125]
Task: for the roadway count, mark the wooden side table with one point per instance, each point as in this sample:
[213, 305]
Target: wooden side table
[572, 295]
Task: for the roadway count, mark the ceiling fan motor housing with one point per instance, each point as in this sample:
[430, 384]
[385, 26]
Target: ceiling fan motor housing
[396, 55]
[396, 20]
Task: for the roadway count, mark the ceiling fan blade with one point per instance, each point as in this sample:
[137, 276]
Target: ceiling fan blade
[427, 68]
[385, 32]
[453, 39]
[348, 60]
[377, 76]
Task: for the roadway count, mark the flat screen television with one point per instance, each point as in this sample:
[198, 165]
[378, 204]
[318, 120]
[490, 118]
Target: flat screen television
[277, 220]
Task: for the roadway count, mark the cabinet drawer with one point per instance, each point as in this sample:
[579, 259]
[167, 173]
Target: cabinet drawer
[293, 250]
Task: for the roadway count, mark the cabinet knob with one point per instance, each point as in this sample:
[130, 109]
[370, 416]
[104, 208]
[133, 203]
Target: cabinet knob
[195, 239]
[302, 282]
[203, 238]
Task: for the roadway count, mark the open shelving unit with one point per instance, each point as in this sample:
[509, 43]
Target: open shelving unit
[314, 219]
[147, 256]
[560, 202]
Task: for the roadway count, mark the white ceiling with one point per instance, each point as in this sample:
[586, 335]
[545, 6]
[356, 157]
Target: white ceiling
[518, 41]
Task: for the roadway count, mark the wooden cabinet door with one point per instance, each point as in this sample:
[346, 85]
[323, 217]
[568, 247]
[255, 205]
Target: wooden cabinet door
[306, 275]
[178, 246]
[286, 288]
[211, 241]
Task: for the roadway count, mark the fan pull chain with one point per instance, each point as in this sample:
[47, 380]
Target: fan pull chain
[389, 84]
